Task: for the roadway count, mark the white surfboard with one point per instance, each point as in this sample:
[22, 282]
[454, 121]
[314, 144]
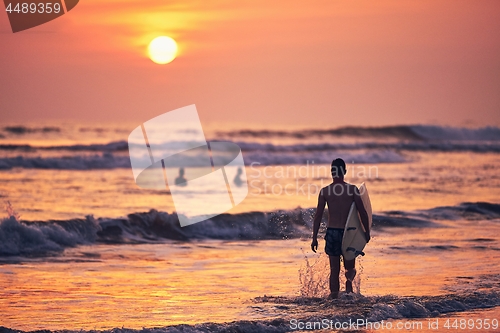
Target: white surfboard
[354, 240]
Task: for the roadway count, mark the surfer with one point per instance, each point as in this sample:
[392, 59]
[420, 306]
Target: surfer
[237, 179]
[181, 180]
[339, 196]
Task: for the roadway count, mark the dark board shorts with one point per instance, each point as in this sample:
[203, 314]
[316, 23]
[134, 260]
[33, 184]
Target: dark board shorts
[333, 239]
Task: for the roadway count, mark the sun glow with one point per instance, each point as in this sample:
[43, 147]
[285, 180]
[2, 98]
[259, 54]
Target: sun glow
[162, 50]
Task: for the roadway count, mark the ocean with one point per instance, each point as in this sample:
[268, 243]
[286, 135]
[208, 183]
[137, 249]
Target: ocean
[82, 247]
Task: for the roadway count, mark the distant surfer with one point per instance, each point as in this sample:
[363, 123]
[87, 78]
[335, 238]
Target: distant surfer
[181, 180]
[237, 179]
[339, 196]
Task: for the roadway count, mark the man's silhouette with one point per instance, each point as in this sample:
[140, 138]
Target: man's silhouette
[180, 180]
[339, 196]
[237, 179]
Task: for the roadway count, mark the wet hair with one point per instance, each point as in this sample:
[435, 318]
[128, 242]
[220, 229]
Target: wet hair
[338, 167]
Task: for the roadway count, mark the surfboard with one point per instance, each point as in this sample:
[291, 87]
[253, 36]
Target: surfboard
[354, 240]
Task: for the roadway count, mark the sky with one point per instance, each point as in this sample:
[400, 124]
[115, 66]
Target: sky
[259, 63]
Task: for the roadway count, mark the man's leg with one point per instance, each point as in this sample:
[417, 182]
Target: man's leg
[350, 273]
[334, 276]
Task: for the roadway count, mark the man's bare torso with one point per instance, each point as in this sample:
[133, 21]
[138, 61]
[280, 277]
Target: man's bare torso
[339, 197]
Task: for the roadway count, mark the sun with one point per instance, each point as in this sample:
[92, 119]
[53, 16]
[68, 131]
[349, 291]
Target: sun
[162, 50]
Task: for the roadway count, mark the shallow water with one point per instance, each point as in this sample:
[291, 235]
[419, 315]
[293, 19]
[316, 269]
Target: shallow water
[151, 285]
[75, 170]
[435, 193]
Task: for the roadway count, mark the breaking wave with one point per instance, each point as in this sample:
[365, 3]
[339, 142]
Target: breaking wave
[444, 146]
[46, 237]
[263, 154]
[354, 311]
[489, 133]
[403, 132]
[20, 130]
[114, 161]
[447, 146]
[42, 238]
[104, 161]
[369, 146]
[465, 211]
[29, 238]
[107, 147]
[356, 308]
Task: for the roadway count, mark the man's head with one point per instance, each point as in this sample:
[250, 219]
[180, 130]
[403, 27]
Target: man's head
[338, 168]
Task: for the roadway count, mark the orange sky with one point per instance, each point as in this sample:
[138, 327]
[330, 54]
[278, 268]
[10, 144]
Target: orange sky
[315, 63]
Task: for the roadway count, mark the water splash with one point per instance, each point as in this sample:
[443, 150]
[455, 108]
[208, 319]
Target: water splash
[356, 283]
[314, 275]
[11, 212]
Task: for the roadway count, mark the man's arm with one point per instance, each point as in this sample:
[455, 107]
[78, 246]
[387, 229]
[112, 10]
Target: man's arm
[317, 220]
[362, 213]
